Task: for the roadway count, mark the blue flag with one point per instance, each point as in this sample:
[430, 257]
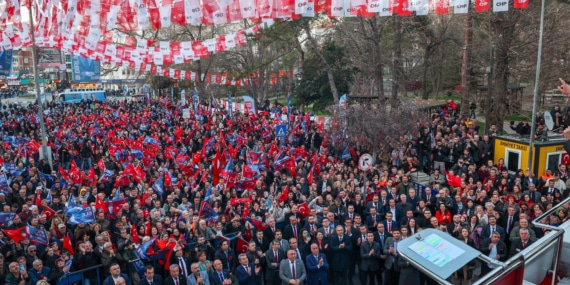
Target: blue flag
[72, 202]
[80, 215]
[346, 154]
[143, 249]
[19, 172]
[137, 153]
[158, 186]
[207, 213]
[4, 182]
[37, 236]
[420, 188]
[149, 140]
[49, 198]
[6, 217]
[46, 177]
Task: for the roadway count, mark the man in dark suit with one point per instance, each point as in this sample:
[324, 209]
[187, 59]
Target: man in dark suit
[177, 257]
[375, 203]
[317, 267]
[370, 252]
[293, 229]
[508, 220]
[349, 213]
[533, 193]
[495, 249]
[521, 243]
[273, 259]
[269, 233]
[389, 223]
[246, 272]
[292, 269]
[261, 242]
[115, 270]
[175, 278]
[373, 219]
[341, 247]
[311, 226]
[391, 253]
[492, 227]
[394, 210]
[226, 255]
[149, 277]
[219, 276]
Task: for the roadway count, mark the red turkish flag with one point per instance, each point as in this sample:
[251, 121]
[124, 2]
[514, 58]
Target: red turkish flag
[67, 244]
[284, 195]
[18, 234]
[453, 180]
[49, 212]
[304, 209]
[135, 234]
[200, 50]
[241, 245]
[482, 5]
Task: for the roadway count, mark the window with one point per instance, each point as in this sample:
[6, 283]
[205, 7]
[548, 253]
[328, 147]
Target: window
[553, 160]
[513, 159]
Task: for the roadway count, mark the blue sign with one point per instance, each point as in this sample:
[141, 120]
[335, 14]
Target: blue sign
[85, 69]
[5, 62]
[281, 131]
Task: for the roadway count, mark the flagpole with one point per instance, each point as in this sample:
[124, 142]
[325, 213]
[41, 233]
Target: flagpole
[536, 78]
[38, 91]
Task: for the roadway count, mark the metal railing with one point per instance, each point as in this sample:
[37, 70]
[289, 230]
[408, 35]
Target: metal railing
[78, 275]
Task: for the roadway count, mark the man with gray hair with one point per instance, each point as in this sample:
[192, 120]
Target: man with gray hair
[175, 278]
[39, 271]
[519, 244]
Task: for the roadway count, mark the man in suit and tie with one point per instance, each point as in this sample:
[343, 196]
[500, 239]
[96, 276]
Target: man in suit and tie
[391, 252]
[533, 193]
[292, 270]
[219, 276]
[394, 210]
[246, 272]
[430, 199]
[521, 243]
[341, 247]
[283, 244]
[389, 223]
[349, 213]
[273, 258]
[269, 233]
[370, 252]
[198, 277]
[177, 257]
[492, 227]
[115, 270]
[373, 219]
[376, 204]
[326, 229]
[226, 255]
[292, 230]
[261, 242]
[150, 278]
[317, 267]
[175, 278]
[508, 220]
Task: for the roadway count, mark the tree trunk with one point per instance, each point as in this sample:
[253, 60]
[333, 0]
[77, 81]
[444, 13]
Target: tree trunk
[425, 91]
[466, 66]
[502, 29]
[328, 67]
[397, 61]
[379, 66]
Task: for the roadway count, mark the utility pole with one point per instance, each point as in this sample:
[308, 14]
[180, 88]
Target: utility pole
[44, 153]
[490, 75]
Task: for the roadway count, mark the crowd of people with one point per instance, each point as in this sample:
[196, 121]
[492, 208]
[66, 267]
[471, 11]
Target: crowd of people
[149, 197]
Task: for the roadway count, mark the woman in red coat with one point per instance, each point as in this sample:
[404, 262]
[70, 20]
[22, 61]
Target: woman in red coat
[443, 215]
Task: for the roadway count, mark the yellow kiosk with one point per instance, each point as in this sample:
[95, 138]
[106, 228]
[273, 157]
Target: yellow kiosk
[514, 149]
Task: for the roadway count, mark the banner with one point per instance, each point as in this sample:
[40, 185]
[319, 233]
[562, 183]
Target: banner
[80, 215]
[249, 104]
[5, 62]
[230, 105]
[85, 69]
